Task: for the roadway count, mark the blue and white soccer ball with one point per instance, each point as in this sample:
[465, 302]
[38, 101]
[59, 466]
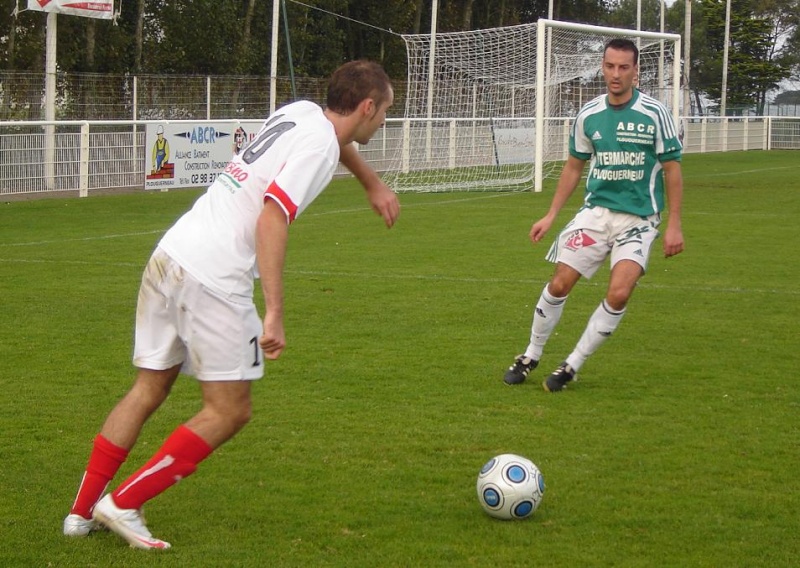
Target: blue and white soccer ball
[510, 487]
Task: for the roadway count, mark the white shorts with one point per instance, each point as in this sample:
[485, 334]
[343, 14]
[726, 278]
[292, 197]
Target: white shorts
[596, 232]
[178, 320]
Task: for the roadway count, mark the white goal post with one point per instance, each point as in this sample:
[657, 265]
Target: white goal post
[490, 110]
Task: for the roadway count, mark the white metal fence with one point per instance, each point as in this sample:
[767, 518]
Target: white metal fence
[91, 156]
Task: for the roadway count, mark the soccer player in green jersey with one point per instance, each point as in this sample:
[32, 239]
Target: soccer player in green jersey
[634, 153]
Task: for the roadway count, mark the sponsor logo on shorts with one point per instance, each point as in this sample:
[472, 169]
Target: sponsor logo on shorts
[579, 239]
[632, 235]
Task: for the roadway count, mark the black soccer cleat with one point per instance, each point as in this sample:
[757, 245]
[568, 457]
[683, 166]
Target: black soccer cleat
[519, 370]
[558, 379]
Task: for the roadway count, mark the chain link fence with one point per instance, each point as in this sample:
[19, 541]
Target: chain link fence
[92, 96]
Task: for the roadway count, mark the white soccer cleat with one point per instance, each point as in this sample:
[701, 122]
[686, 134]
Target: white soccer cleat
[75, 525]
[127, 523]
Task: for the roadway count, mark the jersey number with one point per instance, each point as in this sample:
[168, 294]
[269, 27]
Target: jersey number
[266, 139]
[254, 343]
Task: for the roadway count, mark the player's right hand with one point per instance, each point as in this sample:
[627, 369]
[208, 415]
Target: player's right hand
[539, 229]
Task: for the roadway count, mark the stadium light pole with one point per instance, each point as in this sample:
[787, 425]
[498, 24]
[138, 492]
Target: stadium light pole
[687, 38]
[724, 94]
[638, 23]
[273, 65]
[638, 15]
[661, 93]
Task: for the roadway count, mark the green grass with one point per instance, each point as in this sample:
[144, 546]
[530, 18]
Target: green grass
[678, 446]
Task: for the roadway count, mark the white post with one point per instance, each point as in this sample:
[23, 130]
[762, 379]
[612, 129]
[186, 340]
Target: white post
[767, 141]
[273, 65]
[135, 99]
[724, 92]
[208, 97]
[746, 133]
[431, 69]
[406, 152]
[135, 111]
[451, 161]
[538, 151]
[703, 135]
[724, 135]
[83, 177]
[51, 35]
[474, 114]
[676, 92]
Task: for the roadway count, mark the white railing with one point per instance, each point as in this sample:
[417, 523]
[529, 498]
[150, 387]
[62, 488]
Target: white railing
[86, 156]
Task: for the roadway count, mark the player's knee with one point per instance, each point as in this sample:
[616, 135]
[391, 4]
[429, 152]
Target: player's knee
[559, 288]
[150, 396]
[563, 281]
[243, 416]
[617, 298]
[236, 417]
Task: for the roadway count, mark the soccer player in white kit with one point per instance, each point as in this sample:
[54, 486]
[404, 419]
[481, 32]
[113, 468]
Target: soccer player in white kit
[635, 155]
[195, 311]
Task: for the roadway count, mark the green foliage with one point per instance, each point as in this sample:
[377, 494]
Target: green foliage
[224, 38]
[752, 71]
[677, 447]
[623, 15]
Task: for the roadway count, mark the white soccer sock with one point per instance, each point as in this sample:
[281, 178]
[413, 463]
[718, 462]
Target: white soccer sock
[601, 325]
[545, 317]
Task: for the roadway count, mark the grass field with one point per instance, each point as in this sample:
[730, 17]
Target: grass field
[679, 446]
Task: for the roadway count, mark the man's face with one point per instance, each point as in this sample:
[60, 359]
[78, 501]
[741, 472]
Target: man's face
[374, 119]
[619, 71]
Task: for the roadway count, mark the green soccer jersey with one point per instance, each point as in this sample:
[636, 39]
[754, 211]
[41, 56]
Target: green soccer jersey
[626, 147]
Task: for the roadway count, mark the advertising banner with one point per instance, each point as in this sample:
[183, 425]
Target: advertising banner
[192, 154]
[103, 9]
[515, 145]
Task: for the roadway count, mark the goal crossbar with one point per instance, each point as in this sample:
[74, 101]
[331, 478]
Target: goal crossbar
[542, 25]
[490, 109]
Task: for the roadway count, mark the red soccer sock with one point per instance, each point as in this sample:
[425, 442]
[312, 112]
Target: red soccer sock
[177, 458]
[104, 462]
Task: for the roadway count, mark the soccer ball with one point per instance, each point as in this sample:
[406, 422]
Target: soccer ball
[510, 487]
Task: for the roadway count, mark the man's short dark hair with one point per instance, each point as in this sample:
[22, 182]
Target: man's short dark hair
[355, 81]
[623, 44]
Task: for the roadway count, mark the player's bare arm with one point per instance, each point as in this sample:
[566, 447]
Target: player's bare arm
[567, 182]
[272, 232]
[382, 199]
[673, 234]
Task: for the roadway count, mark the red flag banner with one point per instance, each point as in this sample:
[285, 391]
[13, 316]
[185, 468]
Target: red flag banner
[103, 9]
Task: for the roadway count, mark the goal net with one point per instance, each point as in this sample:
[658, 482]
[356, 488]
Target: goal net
[485, 112]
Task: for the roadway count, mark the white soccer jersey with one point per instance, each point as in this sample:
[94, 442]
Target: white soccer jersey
[290, 160]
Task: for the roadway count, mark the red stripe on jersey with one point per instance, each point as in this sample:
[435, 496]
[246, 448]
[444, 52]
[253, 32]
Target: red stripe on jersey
[275, 192]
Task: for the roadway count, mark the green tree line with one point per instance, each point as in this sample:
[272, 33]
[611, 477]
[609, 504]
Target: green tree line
[208, 37]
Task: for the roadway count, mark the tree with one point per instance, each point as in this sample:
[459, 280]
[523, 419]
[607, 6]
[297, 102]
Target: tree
[622, 14]
[756, 63]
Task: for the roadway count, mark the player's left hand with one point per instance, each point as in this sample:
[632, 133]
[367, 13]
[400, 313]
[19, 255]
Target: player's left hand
[273, 339]
[384, 202]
